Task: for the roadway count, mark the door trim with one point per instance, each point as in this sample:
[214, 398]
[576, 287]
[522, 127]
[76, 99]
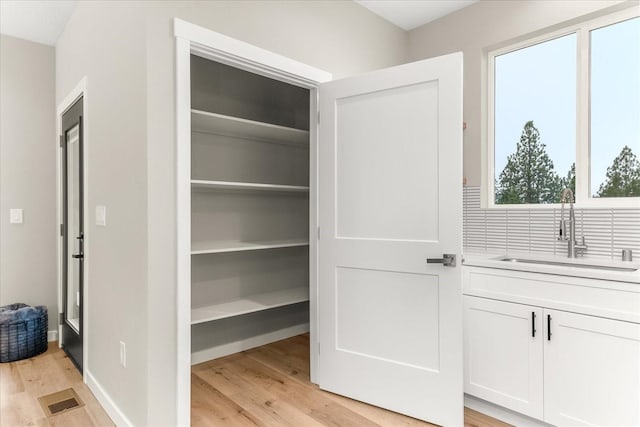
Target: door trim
[80, 90]
[218, 47]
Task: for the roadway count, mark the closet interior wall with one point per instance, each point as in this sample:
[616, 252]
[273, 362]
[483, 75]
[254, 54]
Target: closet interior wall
[249, 209]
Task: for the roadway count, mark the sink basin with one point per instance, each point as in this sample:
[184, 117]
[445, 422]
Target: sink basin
[570, 264]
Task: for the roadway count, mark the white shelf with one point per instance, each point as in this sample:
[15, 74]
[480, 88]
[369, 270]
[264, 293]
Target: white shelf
[198, 248]
[218, 124]
[246, 186]
[249, 304]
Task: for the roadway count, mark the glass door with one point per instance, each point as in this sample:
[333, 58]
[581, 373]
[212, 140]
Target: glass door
[73, 232]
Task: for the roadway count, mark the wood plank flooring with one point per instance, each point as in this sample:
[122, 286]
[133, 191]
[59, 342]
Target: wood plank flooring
[23, 381]
[269, 386]
[266, 386]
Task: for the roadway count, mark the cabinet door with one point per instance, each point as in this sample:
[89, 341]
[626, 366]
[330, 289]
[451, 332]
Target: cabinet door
[503, 354]
[592, 371]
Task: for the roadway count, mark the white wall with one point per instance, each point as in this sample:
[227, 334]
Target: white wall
[478, 27]
[127, 52]
[105, 43]
[28, 174]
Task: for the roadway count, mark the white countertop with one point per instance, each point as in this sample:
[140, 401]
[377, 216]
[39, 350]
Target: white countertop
[494, 261]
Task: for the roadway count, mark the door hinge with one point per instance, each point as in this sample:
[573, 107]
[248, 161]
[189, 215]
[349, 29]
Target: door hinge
[61, 141]
[62, 229]
[318, 233]
[318, 116]
[60, 318]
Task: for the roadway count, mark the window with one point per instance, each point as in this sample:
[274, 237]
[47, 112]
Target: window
[564, 111]
[615, 110]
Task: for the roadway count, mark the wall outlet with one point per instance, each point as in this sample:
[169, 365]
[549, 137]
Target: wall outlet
[123, 354]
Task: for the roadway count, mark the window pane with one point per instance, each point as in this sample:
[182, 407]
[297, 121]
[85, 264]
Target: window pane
[615, 110]
[535, 122]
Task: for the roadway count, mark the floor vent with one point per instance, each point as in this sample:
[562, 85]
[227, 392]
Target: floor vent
[59, 402]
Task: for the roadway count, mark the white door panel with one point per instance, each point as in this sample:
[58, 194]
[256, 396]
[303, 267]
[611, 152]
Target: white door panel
[390, 188]
[373, 295]
[371, 200]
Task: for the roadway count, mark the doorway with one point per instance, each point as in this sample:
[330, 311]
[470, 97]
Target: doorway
[398, 246]
[72, 179]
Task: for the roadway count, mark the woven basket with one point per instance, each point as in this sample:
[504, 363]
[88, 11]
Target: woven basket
[23, 331]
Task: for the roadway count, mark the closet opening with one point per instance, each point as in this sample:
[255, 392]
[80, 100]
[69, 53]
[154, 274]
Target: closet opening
[250, 209]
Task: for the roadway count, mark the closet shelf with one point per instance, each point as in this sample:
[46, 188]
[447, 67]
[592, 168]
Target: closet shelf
[249, 304]
[218, 124]
[246, 186]
[220, 246]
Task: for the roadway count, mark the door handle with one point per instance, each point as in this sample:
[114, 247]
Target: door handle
[448, 260]
[77, 256]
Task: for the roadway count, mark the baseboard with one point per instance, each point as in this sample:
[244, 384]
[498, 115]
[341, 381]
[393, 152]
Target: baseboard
[107, 403]
[246, 344]
[502, 414]
[52, 336]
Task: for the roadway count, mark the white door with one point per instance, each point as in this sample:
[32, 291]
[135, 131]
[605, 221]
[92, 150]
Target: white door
[390, 189]
[503, 349]
[591, 371]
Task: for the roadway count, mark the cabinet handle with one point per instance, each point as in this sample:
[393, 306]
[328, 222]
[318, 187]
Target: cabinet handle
[548, 327]
[533, 324]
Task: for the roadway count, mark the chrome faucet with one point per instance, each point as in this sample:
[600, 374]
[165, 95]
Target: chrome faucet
[568, 228]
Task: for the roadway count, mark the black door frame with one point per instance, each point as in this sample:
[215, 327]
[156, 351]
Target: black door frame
[72, 341]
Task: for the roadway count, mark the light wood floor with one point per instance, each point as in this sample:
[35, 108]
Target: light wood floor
[266, 386]
[269, 386]
[22, 382]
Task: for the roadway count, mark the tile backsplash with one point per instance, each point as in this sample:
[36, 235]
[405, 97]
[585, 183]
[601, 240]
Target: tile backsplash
[606, 230]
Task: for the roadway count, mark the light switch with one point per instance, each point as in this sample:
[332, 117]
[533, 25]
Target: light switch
[15, 216]
[101, 216]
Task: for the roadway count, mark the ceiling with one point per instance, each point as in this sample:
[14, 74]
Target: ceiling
[44, 21]
[37, 21]
[409, 14]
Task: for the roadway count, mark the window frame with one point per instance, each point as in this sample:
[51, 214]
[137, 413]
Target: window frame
[582, 30]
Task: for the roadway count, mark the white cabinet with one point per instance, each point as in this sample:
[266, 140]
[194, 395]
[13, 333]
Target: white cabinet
[503, 349]
[591, 371]
[568, 369]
